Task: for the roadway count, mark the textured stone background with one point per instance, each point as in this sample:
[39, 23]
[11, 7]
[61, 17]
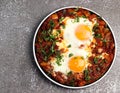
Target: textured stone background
[18, 22]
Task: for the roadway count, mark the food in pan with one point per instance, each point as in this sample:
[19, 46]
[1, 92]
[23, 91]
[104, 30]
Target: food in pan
[74, 47]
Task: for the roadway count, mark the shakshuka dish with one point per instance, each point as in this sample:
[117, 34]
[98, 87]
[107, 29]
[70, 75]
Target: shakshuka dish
[74, 47]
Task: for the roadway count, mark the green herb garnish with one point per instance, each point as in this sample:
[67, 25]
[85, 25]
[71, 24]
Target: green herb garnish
[103, 61]
[72, 13]
[61, 19]
[97, 35]
[96, 59]
[104, 41]
[59, 31]
[52, 37]
[63, 26]
[76, 19]
[59, 59]
[43, 51]
[45, 57]
[71, 54]
[85, 20]
[52, 48]
[52, 24]
[69, 46]
[72, 82]
[87, 78]
[86, 74]
[46, 38]
[83, 16]
[95, 27]
[82, 57]
[69, 73]
[58, 62]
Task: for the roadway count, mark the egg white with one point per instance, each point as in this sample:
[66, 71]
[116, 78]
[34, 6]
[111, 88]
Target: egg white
[69, 31]
[69, 38]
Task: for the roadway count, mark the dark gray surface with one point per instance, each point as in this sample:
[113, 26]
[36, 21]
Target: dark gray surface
[18, 21]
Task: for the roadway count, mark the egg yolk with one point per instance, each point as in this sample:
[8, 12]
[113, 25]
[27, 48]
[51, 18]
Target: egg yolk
[83, 32]
[77, 64]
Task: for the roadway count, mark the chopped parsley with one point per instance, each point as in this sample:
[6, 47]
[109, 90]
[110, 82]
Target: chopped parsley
[61, 19]
[87, 78]
[98, 35]
[69, 46]
[59, 59]
[103, 61]
[76, 19]
[86, 74]
[52, 24]
[43, 51]
[69, 73]
[82, 57]
[72, 82]
[96, 59]
[95, 27]
[59, 31]
[51, 37]
[47, 36]
[63, 26]
[45, 57]
[104, 41]
[52, 48]
[83, 16]
[71, 54]
[85, 20]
